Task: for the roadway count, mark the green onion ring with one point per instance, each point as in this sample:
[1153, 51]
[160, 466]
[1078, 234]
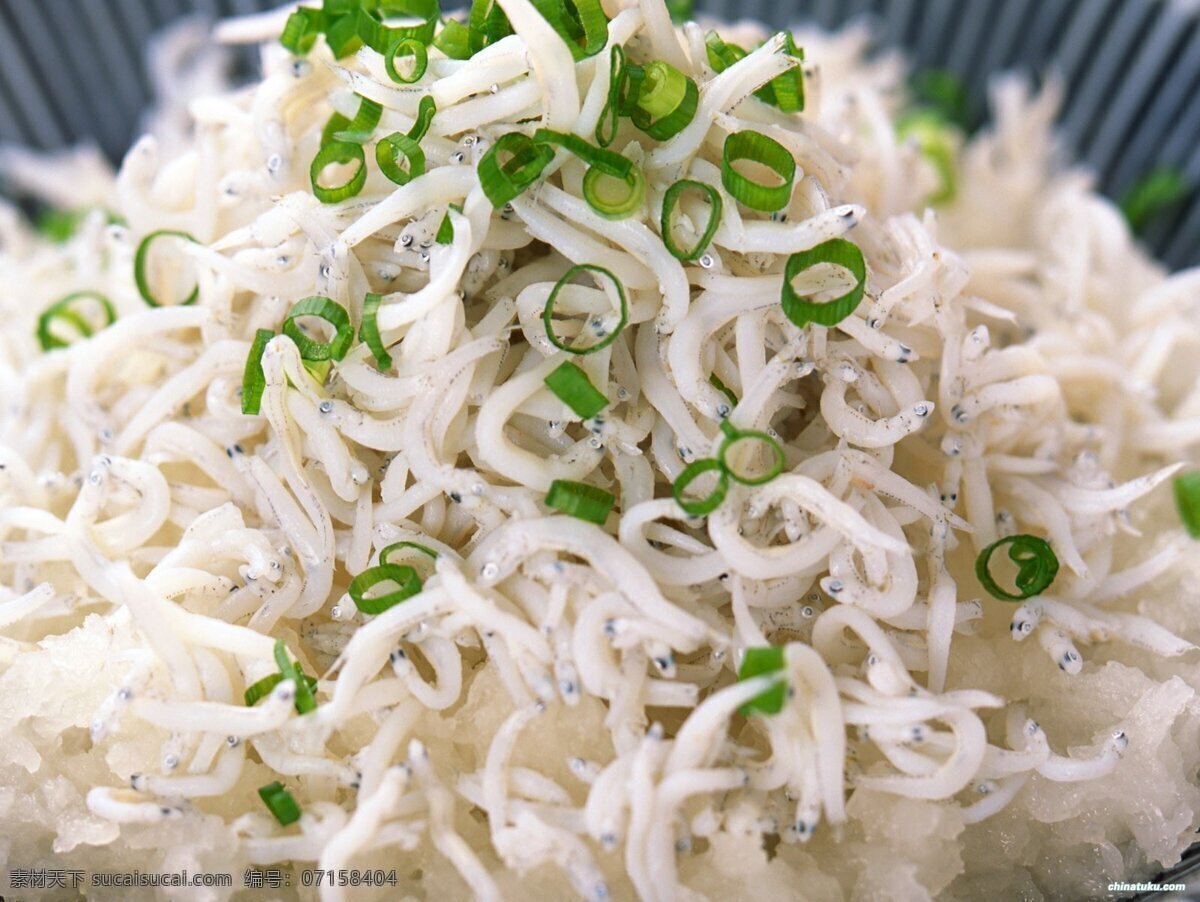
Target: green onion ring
[396, 546]
[1037, 562]
[505, 182]
[580, 500]
[571, 385]
[139, 267]
[305, 702]
[61, 309]
[802, 310]
[733, 435]
[624, 206]
[387, 155]
[671, 201]
[610, 116]
[338, 152]
[454, 40]
[301, 30]
[757, 662]
[280, 803]
[1186, 489]
[690, 474]
[334, 314]
[666, 101]
[608, 339]
[404, 576]
[368, 330]
[253, 380]
[406, 47]
[758, 148]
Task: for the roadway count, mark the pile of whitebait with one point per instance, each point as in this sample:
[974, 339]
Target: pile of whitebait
[389, 481]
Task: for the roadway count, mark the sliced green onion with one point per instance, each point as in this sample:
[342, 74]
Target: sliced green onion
[426, 110]
[379, 36]
[580, 23]
[445, 232]
[804, 310]
[334, 314]
[580, 500]
[733, 435]
[406, 47]
[607, 161]
[357, 130]
[405, 577]
[486, 24]
[526, 160]
[305, 702]
[721, 54]
[257, 691]
[342, 35]
[61, 310]
[1187, 500]
[261, 689]
[614, 197]
[571, 385]
[280, 803]
[692, 472]
[139, 267]
[787, 89]
[666, 101]
[671, 201]
[318, 369]
[610, 116]
[396, 546]
[715, 381]
[1036, 560]
[454, 40]
[59, 225]
[757, 662]
[338, 152]
[606, 336]
[301, 30]
[680, 10]
[768, 152]
[253, 380]
[387, 155]
[368, 331]
[1153, 192]
[934, 136]
[946, 95]
[335, 8]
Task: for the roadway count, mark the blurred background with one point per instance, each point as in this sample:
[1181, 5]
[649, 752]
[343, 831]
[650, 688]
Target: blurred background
[76, 70]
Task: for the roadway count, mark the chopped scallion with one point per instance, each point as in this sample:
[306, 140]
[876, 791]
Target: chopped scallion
[408, 584]
[65, 309]
[757, 662]
[338, 152]
[280, 803]
[1036, 562]
[603, 334]
[141, 259]
[671, 201]
[580, 500]
[368, 331]
[571, 385]
[1187, 500]
[692, 472]
[253, 380]
[803, 310]
[757, 148]
[334, 314]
